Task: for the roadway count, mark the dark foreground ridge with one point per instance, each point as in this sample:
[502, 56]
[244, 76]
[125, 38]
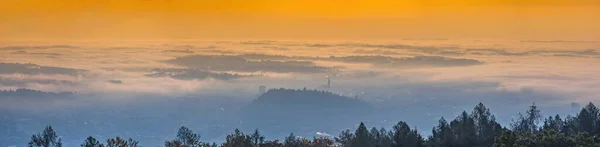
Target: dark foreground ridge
[475, 129]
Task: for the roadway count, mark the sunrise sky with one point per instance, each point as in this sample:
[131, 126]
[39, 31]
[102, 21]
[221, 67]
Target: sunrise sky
[306, 19]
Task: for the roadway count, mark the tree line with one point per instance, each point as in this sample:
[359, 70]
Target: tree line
[475, 129]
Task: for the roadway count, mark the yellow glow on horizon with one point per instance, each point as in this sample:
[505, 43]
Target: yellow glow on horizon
[299, 18]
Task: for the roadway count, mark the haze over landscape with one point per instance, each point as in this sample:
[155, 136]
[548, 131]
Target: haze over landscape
[106, 68]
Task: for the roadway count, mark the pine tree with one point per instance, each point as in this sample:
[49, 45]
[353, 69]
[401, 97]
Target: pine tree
[48, 138]
[362, 137]
[238, 139]
[486, 127]
[345, 138]
[92, 142]
[528, 122]
[463, 127]
[291, 141]
[405, 137]
[120, 142]
[257, 138]
[185, 138]
[554, 123]
[441, 135]
[588, 120]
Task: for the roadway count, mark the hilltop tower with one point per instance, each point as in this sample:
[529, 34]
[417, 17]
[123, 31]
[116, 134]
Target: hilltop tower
[328, 82]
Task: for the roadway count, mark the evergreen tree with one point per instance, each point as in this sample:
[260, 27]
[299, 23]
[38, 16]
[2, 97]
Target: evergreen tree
[588, 120]
[528, 122]
[381, 137]
[552, 138]
[570, 124]
[554, 123]
[486, 127]
[185, 138]
[238, 139]
[362, 137]
[322, 142]
[92, 142]
[120, 142]
[257, 138]
[345, 138]
[48, 138]
[274, 143]
[585, 140]
[405, 137]
[508, 138]
[291, 141]
[463, 127]
[441, 135]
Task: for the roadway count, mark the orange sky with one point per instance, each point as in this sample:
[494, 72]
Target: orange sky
[299, 19]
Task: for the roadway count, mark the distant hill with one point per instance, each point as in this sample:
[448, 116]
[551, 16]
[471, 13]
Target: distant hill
[22, 92]
[291, 110]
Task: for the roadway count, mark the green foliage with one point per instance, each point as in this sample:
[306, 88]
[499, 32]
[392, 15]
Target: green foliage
[406, 137]
[362, 137]
[185, 138]
[92, 142]
[257, 138]
[463, 128]
[120, 142]
[486, 127]
[442, 135]
[345, 138]
[478, 129]
[238, 139]
[588, 120]
[48, 138]
[554, 123]
[528, 122]
[381, 137]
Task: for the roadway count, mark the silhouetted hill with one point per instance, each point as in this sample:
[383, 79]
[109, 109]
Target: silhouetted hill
[279, 109]
[22, 92]
[34, 69]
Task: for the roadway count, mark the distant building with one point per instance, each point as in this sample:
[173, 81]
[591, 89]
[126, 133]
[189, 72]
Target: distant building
[262, 89]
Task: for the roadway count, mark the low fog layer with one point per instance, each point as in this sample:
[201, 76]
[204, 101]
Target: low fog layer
[213, 87]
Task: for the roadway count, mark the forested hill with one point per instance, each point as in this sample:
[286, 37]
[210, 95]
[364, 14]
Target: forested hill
[291, 110]
[303, 97]
[32, 93]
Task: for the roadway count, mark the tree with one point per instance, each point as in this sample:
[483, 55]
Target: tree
[486, 127]
[185, 138]
[274, 143]
[552, 138]
[120, 142]
[345, 138]
[405, 137]
[381, 137]
[238, 139]
[441, 135]
[570, 124]
[92, 142]
[322, 142]
[585, 140]
[257, 138]
[508, 138]
[463, 128]
[291, 141]
[554, 123]
[528, 122]
[362, 137]
[48, 138]
[588, 120]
